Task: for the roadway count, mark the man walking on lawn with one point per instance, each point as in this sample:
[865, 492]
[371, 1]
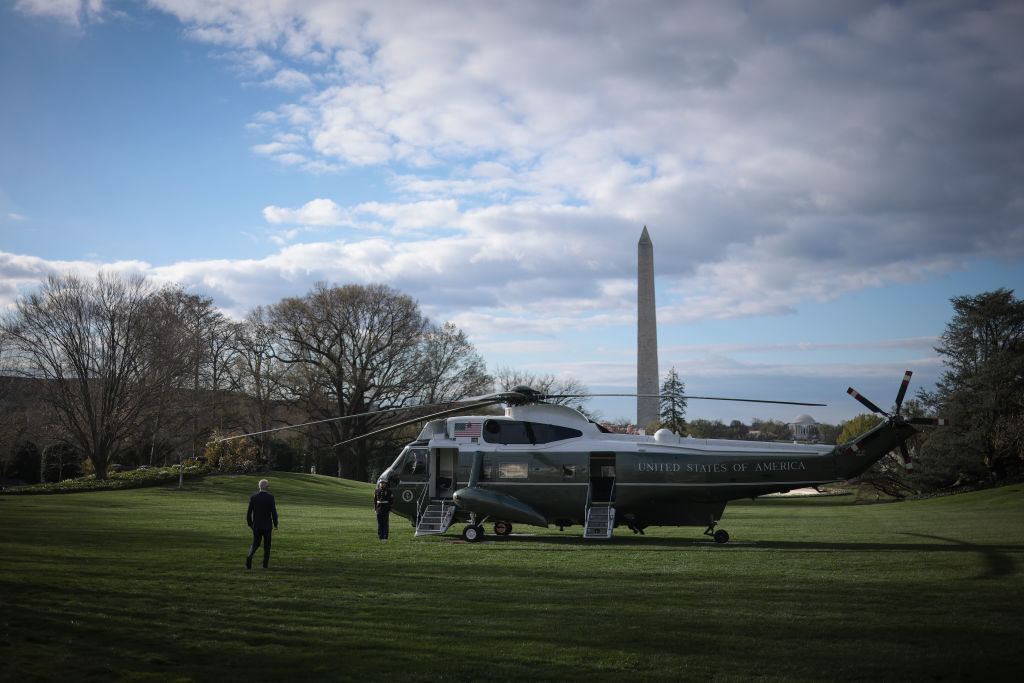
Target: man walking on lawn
[261, 516]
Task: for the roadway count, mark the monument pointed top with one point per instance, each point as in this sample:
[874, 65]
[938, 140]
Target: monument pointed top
[644, 236]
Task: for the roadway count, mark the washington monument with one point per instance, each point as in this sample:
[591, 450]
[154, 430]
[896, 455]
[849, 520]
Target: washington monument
[646, 334]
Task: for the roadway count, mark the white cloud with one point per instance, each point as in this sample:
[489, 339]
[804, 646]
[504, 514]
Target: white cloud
[19, 272]
[397, 218]
[74, 12]
[315, 212]
[925, 344]
[290, 79]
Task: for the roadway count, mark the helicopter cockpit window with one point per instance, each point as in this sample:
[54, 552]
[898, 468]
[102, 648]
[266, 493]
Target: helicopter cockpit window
[416, 461]
[397, 464]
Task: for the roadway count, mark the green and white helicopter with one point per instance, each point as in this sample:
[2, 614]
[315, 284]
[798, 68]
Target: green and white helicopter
[544, 464]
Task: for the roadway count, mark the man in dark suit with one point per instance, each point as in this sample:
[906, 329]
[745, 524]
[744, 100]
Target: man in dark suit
[262, 515]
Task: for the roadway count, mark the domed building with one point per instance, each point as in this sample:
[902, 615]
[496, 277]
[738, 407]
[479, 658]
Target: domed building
[804, 428]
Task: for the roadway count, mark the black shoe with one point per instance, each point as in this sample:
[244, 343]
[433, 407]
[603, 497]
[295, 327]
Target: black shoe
[248, 563]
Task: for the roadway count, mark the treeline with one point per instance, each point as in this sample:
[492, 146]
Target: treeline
[759, 430]
[115, 371]
[672, 415]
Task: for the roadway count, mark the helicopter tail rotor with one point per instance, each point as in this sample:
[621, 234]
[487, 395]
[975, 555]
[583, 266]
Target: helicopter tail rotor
[908, 464]
[903, 390]
[899, 406]
[896, 418]
[864, 400]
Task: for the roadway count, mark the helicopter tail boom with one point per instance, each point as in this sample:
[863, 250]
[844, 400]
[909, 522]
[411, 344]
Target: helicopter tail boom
[856, 456]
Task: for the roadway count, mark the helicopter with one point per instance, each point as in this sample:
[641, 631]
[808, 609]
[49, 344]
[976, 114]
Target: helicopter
[544, 464]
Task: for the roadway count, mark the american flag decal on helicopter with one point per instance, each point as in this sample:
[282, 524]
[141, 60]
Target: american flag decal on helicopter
[466, 429]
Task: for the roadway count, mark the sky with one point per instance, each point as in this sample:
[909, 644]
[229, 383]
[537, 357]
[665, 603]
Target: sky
[818, 179]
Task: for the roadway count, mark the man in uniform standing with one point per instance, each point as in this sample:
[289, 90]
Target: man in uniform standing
[382, 500]
[261, 517]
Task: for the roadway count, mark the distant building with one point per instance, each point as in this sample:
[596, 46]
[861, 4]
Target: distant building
[804, 428]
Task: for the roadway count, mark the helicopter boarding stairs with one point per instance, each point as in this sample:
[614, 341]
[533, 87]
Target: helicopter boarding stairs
[600, 519]
[435, 515]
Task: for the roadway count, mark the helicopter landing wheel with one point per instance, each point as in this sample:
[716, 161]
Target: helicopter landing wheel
[721, 536]
[473, 533]
[502, 528]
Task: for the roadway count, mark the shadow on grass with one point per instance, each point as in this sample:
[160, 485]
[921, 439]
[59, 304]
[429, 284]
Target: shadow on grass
[998, 559]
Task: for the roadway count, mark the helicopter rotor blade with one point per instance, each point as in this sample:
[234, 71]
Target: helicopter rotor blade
[938, 422]
[481, 400]
[903, 391]
[932, 421]
[497, 396]
[688, 397]
[307, 424]
[907, 462]
[867, 403]
[421, 418]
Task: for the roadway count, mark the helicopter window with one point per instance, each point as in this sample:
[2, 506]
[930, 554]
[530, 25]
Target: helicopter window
[506, 432]
[545, 433]
[512, 470]
[517, 432]
[416, 462]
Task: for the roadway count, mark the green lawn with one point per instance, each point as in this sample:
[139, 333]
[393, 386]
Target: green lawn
[150, 584]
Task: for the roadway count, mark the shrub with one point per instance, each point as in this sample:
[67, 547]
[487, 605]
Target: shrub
[150, 476]
[240, 456]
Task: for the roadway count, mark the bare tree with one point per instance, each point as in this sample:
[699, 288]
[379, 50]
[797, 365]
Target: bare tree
[450, 366]
[95, 342]
[11, 420]
[567, 390]
[354, 348]
[259, 374]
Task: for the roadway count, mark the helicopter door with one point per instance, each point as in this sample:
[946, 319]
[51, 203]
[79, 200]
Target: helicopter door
[602, 477]
[442, 475]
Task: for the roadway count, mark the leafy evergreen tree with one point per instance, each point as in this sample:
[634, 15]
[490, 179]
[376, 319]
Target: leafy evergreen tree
[982, 390]
[672, 403]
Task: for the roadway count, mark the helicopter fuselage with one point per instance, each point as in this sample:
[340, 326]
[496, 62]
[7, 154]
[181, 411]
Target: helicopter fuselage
[544, 464]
